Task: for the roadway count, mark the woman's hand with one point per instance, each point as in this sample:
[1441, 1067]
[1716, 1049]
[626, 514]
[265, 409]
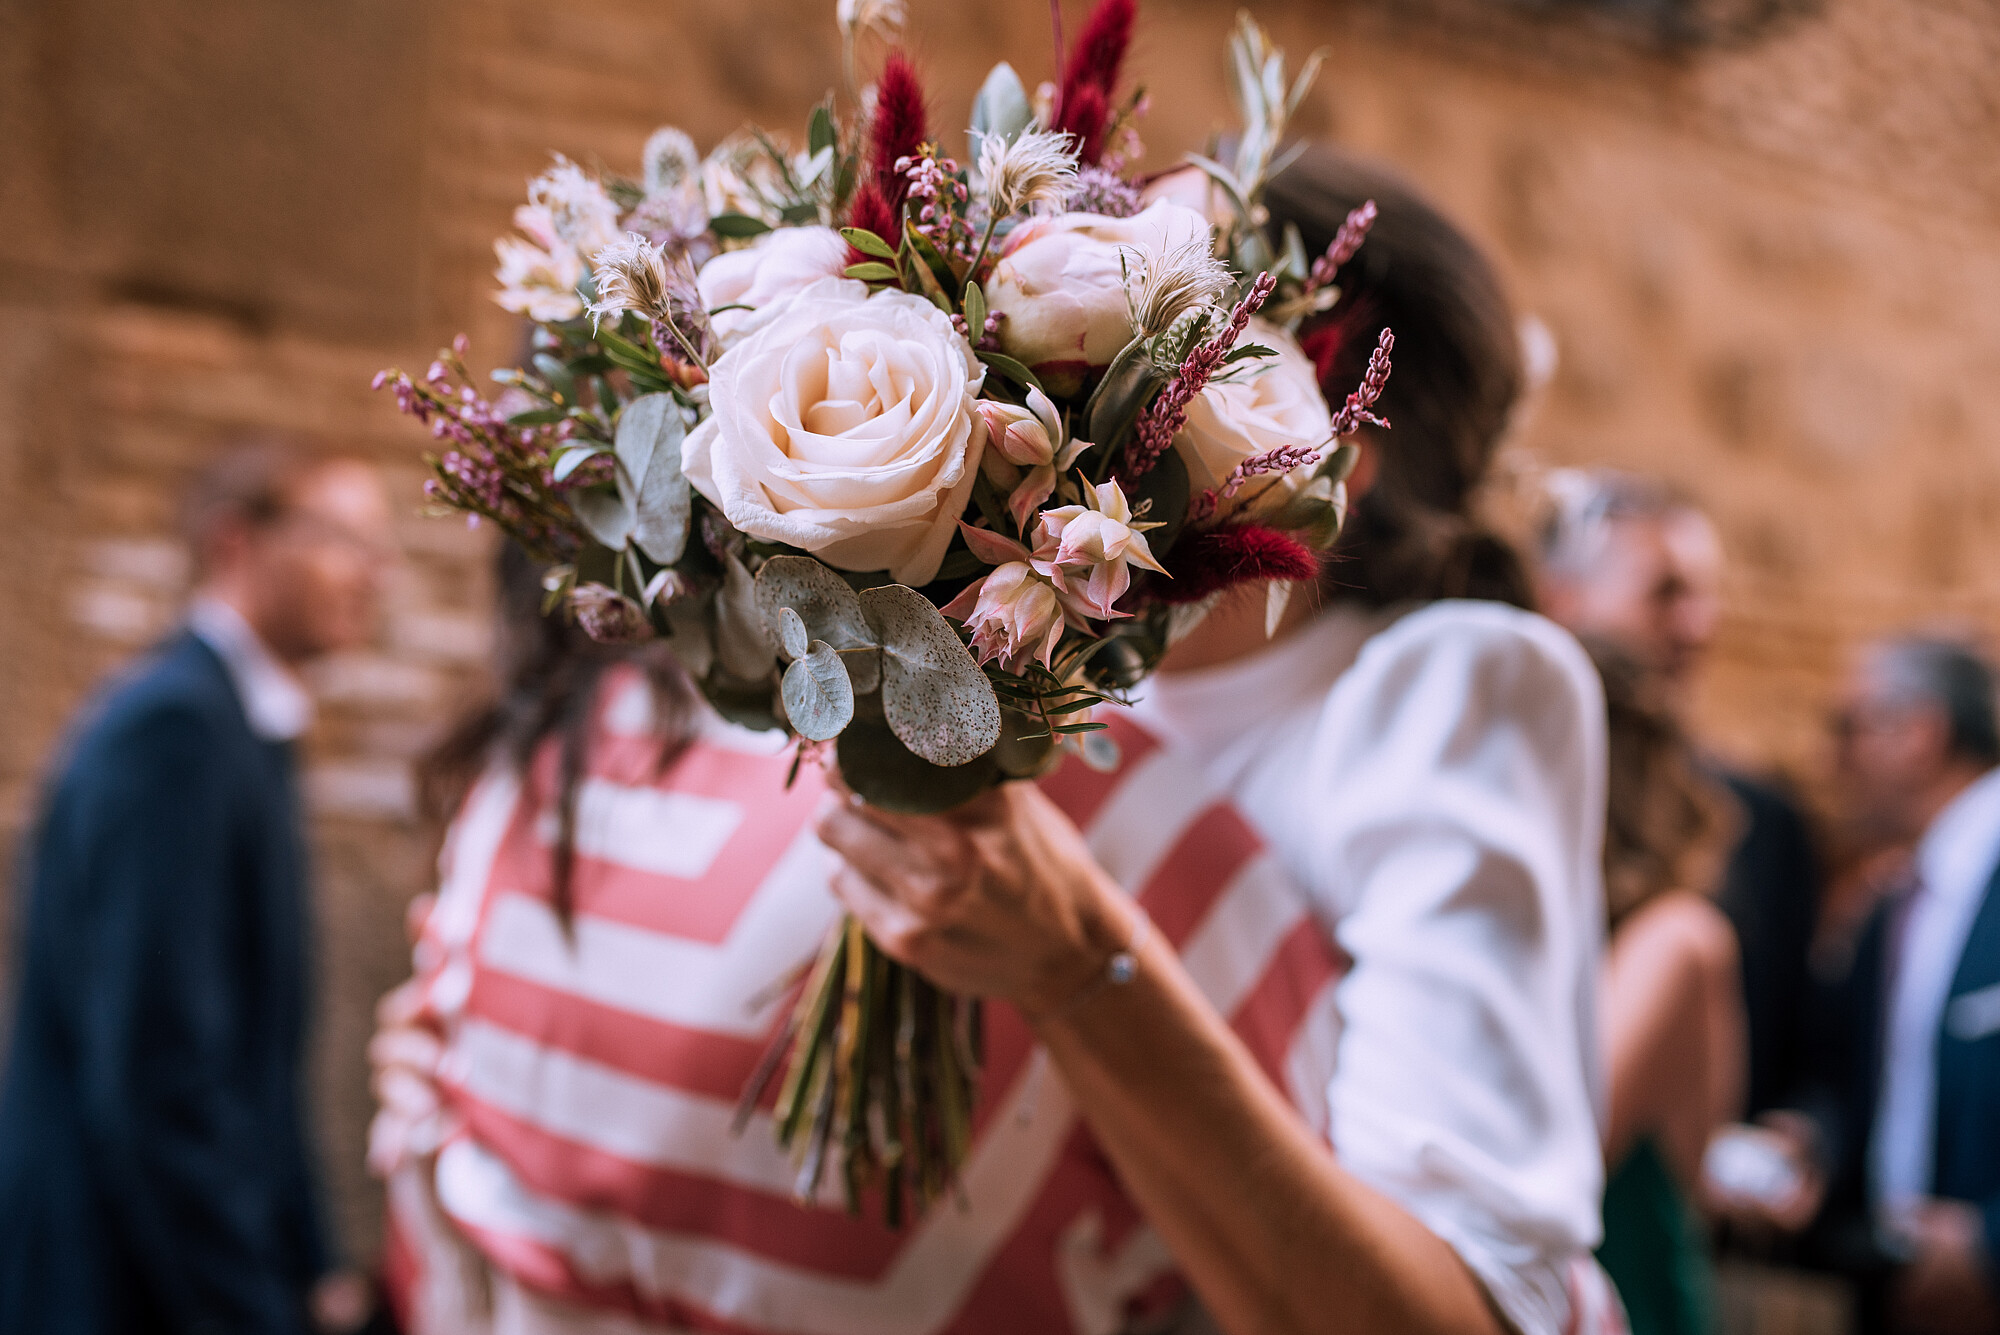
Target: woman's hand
[997, 898]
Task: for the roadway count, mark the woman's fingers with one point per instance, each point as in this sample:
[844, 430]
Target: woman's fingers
[923, 866]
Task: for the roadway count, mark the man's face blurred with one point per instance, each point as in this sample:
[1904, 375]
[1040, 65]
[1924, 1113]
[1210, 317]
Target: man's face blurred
[1653, 590]
[313, 577]
[1888, 755]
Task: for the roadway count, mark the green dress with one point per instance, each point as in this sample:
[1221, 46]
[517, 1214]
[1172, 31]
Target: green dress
[1656, 1249]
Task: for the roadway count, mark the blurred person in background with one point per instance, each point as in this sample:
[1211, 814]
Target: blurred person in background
[1632, 566]
[1673, 1013]
[155, 1168]
[1899, 1129]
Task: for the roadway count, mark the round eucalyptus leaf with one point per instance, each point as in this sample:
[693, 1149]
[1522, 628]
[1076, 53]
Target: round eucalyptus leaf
[864, 667]
[936, 699]
[606, 516]
[825, 602]
[888, 776]
[792, 637]
[818, 697]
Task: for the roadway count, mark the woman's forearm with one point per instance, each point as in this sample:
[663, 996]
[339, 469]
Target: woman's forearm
[1274, 1236]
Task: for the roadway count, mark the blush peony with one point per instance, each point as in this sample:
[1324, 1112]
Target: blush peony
[1061, 290]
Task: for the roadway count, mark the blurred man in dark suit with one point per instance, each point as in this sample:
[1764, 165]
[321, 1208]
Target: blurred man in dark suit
[154, 1167]
[1906, 1109]
[1629, 563]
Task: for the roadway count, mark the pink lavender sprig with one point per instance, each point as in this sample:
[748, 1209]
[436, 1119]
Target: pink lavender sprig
[1353, 231]
[1166, 415]
[939, 187]
[1357, 409]
[1286, 458]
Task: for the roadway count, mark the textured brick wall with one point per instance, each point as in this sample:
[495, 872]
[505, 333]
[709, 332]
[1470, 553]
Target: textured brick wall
[1773, 272]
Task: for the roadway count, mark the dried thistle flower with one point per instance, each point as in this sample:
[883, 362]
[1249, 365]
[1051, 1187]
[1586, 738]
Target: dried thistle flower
[635, 275]
[1034, 167]
[1171, 282]
[631, 276]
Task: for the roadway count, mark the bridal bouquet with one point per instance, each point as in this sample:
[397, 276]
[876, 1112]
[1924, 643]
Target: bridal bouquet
[920, 459]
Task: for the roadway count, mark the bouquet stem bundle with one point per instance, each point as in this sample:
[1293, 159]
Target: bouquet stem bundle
[881, 1070]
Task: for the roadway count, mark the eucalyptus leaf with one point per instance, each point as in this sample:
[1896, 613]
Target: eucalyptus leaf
[825, 603]
[1027, 749]
[743, 643]
[936, 699]
[606, 516]
[572, 458]
[819, 699]
[864, 669]
[792, 638]
[1000, 107]
[649, 446]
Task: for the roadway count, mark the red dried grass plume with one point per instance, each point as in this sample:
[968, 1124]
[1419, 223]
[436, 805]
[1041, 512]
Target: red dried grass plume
[1084, 103]
[898, 131]
[1205, 563]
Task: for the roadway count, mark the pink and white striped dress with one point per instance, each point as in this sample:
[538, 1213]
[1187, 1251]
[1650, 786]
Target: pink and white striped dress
[588, 1178]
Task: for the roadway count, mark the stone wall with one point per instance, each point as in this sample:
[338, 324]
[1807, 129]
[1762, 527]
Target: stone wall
[1771, 267]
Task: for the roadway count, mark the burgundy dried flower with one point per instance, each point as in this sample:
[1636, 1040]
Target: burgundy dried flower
[1205, 563]
[898, 131]
[1083, 104]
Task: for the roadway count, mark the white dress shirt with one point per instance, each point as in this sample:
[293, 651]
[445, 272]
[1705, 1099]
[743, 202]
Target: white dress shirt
[1954, 862]
[1437, 786]
[275, 703]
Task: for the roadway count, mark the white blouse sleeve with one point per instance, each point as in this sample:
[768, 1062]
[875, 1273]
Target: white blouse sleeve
[1457, 791]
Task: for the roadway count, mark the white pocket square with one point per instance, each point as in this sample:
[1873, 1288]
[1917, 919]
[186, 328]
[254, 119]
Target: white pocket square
[1974, 1015]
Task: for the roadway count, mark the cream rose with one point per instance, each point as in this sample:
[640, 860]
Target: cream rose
[844, 426]
[1263, 404]
[761, 275]
[1061, 289]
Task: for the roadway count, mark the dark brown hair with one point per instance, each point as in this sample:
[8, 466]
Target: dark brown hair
[1412, 536]
[1666, 820]
[549, 673]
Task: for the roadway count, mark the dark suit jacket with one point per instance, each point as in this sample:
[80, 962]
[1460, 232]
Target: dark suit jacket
[1848, 1056]
[153, 1166]
[1771, 894]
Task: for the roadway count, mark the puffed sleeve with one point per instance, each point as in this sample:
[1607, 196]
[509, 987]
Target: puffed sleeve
[1456, 794]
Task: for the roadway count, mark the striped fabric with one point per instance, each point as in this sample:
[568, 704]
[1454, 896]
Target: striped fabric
[593, 1073]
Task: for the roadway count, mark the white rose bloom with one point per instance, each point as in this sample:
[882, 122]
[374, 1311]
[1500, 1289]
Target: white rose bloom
[844, 426]
[1061, 288]
[761, 275]
[1263, 405]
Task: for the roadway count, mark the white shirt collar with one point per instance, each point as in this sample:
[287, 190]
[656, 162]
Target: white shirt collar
[1957, 854]
[275, 703]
